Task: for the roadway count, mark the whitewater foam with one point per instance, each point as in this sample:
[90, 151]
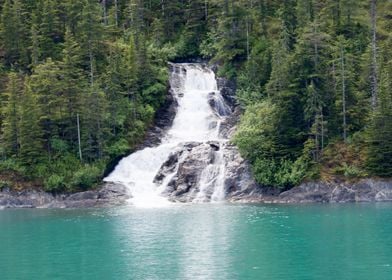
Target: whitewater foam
[192, 84]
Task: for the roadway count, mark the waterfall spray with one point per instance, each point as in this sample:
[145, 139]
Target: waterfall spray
[192, 86]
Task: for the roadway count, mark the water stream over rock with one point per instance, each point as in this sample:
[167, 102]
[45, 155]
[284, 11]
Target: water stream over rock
[194, 157]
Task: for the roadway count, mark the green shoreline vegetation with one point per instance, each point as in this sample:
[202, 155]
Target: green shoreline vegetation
[81, 82]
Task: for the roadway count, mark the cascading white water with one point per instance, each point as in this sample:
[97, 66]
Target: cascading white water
[192, 85]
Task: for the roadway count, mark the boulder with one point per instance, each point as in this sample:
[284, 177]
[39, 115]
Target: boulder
[196, 166]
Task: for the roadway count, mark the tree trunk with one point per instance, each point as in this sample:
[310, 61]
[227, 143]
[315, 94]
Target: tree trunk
[79, 140]
[247, 39]
[206, 9]
[322, 131]
[343, 94]
[105, 13]
[116, 11]
[90, 54]
[373, 68]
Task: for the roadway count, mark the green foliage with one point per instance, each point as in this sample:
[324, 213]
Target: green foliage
[379, 131]
[14, 33]
[86, 177]
[351, 171]
[302, 69]
[379, 150]
[303, 115]
[12, 165]
[254, 75]
[119, 147]
[54, 183]
[282, 173]
[68, 174]
[65, 69]
[258, 139]
[11, 114]
[255, 136]
[4, 185]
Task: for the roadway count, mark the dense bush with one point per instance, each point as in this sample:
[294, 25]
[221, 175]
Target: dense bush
[86, 177]
[258, 140]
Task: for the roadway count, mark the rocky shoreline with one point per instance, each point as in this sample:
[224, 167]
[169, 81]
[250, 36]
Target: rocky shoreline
[108, 195]
[363, 191]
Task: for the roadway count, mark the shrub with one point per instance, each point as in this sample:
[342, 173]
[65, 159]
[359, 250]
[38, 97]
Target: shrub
[11, 165]
[282, 174]
[86, 177]
[4, 184]
[54, 183]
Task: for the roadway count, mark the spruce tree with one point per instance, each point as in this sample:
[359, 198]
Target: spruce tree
[73, 81]
[45, 84]
[31, 133]
[11, 115]
[379, 132]
[14, 33]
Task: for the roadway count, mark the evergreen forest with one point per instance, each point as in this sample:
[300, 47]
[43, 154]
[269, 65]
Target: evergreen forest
[81, 82]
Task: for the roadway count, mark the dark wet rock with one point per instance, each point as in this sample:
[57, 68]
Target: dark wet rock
[109, 194]
[219, 105]
[191, 160]
[228, 90]
[215, 146]
[164, 118]
[228, 125]
[167, 168]
[239, 181]
[185, 172]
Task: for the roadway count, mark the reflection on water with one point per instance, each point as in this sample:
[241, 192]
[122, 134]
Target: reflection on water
[204, 247]
[199, 242]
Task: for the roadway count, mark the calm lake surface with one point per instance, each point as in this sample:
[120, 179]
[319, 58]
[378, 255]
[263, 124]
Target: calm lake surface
[209, 241]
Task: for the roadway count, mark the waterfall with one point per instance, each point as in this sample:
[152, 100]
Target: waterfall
[201, 109]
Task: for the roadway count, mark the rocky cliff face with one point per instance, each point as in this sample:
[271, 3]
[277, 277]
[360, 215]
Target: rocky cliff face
[197, 168]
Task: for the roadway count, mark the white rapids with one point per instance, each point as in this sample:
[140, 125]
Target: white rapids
[192, 84]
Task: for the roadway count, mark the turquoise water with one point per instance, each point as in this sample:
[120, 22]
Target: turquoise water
[199, 242]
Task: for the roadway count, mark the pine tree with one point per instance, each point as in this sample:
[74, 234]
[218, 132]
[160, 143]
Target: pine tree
[305, 12]
[379, 151]
[31, 134]
[46, 87]
[93, 124]
[73, 15]
[90, 33]
[374, 64]
[50, 31]
[35, 49]
[280, 76]
[195, 26]
[379, 132]
[14, 33]
[11, 114]
[72, 85]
